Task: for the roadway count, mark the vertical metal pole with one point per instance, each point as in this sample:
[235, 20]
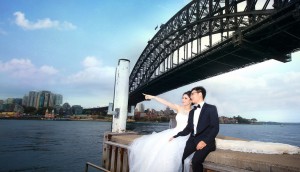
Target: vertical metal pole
[121, 96]
[184, 52]
[210, 22]
[227, 18]
[177, 56]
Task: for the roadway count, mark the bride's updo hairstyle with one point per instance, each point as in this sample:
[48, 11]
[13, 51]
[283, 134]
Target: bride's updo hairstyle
[188, 93]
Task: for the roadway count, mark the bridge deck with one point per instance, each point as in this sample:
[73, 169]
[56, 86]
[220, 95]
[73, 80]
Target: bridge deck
[237, 161]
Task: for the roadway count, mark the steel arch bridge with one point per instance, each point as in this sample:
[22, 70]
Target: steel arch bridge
[210, 37]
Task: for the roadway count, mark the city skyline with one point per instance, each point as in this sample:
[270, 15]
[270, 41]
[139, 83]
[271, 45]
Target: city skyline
[32, 100]
[73, 49]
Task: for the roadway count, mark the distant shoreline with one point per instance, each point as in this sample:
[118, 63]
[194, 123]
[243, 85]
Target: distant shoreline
[55, 119]
[129, 121]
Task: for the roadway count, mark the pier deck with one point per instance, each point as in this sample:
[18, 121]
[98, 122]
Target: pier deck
[219, 160]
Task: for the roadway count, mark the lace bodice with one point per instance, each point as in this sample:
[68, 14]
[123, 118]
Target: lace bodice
[181, 120]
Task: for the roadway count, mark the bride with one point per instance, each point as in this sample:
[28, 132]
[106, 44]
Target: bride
[155, 152]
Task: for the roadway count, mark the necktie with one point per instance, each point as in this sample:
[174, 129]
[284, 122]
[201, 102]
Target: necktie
[198, 106]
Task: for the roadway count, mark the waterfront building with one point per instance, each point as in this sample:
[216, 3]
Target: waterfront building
[43, 99]
[17, 101]
[168, 111]
[8, 105]
[66, 109]
[58, 99]
[57, 109]
[37, 99]
[140, 107]
[18, 109]
[25, 100]
[11, 105]
[32, 98]
[1, 105]
[77, 109]
[51, 99]
[9, 101]
[49, 115]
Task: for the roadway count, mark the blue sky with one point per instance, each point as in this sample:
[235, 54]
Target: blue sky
[72, 48]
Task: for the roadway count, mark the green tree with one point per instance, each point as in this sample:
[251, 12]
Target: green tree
[253, 120]
[29, 110]
[242, 120]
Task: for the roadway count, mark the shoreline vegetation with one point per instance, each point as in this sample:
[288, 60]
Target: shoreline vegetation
[109, 119]
[100, 114]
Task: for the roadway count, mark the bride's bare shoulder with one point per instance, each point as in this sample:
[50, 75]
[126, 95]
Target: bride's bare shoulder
[182, 110]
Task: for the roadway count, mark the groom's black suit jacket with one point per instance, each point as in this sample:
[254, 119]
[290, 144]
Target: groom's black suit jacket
[207, 128]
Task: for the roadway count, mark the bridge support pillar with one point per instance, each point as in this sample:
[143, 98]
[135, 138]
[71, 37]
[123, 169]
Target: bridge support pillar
[121, 92]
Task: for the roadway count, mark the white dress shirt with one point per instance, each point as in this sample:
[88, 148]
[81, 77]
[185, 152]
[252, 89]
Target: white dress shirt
[197, 116]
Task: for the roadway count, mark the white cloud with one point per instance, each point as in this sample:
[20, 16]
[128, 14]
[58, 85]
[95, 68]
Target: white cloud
[255, 96]
[41, 24]
[93, 74]
[48, 70]
[23, 68]
[91, 61]
[91, 86]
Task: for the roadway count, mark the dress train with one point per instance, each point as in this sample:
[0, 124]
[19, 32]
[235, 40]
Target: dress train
[257, 147]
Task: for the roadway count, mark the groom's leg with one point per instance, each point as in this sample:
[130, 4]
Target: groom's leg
[200, 156]
[190, 147]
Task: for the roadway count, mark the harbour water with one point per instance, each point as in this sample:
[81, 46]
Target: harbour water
[67, 145]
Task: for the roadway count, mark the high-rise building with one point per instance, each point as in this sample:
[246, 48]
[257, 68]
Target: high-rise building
[32, 98]
[25, 100]
[140, 107]
[51, 100]
[58, 99]
[37, 100]
[42, 99]
[47, 95]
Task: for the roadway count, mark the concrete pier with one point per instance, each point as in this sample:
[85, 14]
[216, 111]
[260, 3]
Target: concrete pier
[219, 160]
[120, 105]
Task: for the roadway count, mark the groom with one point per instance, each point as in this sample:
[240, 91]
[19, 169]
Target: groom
[203, 127]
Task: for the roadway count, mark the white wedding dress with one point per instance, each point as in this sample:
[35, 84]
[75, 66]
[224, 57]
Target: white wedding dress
[257, 147]
[155, 153]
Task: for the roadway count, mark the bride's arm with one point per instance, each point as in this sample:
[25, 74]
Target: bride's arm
[163, 101]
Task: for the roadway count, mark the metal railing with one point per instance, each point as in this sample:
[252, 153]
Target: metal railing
[94, 166]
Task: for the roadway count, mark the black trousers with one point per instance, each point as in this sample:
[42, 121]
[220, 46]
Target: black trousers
[199, 155]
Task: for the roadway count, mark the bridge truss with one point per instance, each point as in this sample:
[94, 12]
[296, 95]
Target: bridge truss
[210, 37]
